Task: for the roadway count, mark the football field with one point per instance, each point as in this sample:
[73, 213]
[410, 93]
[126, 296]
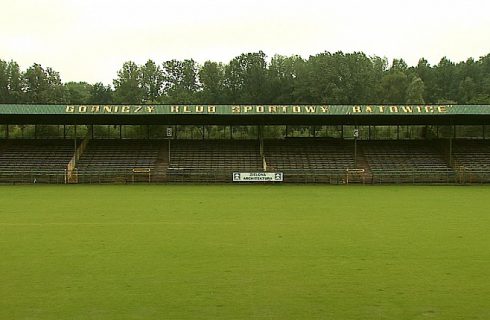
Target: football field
[244, 252]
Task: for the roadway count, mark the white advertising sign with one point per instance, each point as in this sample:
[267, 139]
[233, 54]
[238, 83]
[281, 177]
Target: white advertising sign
[257, 176]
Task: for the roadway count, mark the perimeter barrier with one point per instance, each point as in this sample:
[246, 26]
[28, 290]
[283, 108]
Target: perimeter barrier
[350, 176]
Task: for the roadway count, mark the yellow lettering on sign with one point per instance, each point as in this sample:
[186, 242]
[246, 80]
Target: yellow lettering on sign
[272, 109]
[138, 109]
[310, 109]
[150, 109]
[407, 109]
[296, 109]
[381, 109]
[70, 109]
[187, 109]
[235, 109]
[125, 109]
[199, 109]
[369, 109]
[284, 109]
[211, 109]
[107, 109]
[324, 109]
[174, 109]
[247, 109]
[429, 109]
[259, 109]
[419, 109]
[442, 109]
[393, 109]
[95, 109]
[82, 109]
[356, 109]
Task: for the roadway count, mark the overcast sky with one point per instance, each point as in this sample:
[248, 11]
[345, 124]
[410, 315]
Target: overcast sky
[88, 40]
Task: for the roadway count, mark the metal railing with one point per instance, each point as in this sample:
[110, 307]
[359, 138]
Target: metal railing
[33, 176]
[471, 176]
[414, 176]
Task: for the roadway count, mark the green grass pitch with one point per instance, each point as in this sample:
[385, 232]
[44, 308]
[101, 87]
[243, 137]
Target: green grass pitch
[244, 252]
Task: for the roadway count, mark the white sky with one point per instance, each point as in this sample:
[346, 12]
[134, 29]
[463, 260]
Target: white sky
[88, 40]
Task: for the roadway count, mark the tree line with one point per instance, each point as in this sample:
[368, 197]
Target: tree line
[252, 78]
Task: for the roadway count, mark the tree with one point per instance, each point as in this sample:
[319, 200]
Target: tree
[4, 84]
[10, 82]
[424, 71]
[467, 90]
[100, 94]
[14, 83]
[211, 77]
[399, 65]
[246, 79]
[415, 91]
[78, 92]
[394, 87]
[447, 82]
[151, 82]
[127, 86]
[43, 85]
[342, 78]
[282, 78]
[180, 81]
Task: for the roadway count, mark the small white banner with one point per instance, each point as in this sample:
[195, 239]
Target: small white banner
[257, 176]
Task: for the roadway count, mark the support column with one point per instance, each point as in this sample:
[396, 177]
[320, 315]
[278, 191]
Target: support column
[450, 151]
[75, 145]
[355, 151]
[6, 131]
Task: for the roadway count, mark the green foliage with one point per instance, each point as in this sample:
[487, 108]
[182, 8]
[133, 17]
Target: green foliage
[100, 94]
[10, 82]
[43, 85]
[78, 92]
[151, 82]
[282, 77]
[415, 91]
[394, 85]
[212, 76]
[180, 81]
[127, 86]
[250, 78]
[246, 79]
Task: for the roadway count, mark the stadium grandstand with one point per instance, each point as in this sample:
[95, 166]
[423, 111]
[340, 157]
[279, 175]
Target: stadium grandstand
[224, 143]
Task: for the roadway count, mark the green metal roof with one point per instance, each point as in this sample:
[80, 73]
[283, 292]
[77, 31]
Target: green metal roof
[239, 110]
[246, 114]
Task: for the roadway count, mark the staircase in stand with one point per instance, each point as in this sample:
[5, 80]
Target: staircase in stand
[159, 173]
[363, 164]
